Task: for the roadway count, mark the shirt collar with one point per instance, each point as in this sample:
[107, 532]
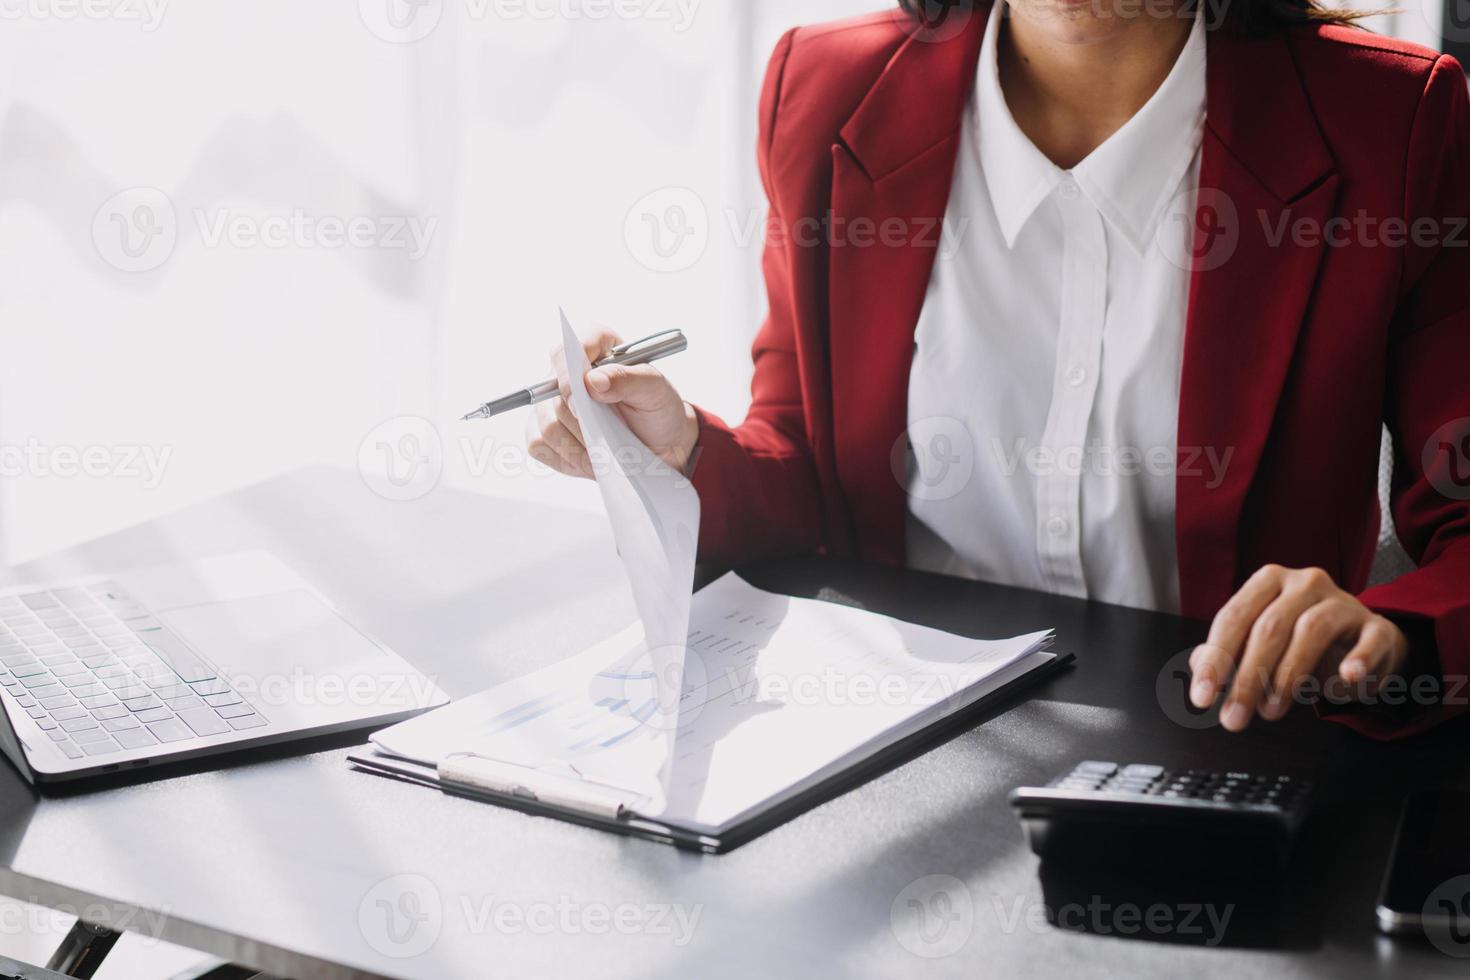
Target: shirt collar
[1130, 178]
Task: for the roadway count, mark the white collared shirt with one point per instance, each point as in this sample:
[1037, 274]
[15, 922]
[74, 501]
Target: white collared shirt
[1044, 392]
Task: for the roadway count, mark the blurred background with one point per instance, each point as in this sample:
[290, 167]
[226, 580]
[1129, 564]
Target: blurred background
[237, 239]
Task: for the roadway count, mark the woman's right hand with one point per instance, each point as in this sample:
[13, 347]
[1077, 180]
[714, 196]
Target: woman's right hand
[638, 393]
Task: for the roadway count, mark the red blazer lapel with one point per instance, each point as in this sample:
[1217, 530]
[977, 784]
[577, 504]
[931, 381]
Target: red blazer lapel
[890, 186]
[1250, 287]
[1264, 169]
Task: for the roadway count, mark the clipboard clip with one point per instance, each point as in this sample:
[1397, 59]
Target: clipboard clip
[564, 787]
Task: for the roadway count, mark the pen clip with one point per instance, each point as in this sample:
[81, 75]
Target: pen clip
[633, 345]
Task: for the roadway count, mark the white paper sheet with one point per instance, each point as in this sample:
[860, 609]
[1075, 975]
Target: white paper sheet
[777, 693]
[654, 514]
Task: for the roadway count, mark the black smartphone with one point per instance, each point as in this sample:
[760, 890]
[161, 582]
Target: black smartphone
[1427, 888]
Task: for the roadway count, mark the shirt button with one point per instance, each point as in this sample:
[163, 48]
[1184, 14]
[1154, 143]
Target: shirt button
[1069, 189]
[1076, 375]
[1056, 525]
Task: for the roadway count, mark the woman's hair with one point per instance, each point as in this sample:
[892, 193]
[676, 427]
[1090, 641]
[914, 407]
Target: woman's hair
[1250, 16]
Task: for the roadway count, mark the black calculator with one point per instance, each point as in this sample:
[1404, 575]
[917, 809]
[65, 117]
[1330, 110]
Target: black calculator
[1103, 810]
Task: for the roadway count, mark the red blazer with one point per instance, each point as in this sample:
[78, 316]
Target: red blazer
[1296, 349]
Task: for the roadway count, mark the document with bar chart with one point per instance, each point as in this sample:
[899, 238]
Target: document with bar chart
[776, 695]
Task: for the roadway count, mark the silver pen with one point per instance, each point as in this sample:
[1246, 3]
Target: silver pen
[645, 351]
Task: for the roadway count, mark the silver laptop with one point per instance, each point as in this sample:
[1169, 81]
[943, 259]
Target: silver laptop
[160, 664]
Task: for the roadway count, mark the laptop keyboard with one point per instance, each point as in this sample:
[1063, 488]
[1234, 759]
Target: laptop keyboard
[99, 673]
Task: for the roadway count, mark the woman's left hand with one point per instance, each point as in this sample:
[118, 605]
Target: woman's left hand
[1280, 629]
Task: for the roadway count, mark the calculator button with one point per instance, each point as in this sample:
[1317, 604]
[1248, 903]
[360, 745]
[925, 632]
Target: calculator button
[1096, 768]
[1138, 770]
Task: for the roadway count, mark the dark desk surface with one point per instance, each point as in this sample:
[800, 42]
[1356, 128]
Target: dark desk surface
[291, 863]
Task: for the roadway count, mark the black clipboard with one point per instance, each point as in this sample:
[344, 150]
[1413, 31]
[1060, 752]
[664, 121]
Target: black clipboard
[880, 762]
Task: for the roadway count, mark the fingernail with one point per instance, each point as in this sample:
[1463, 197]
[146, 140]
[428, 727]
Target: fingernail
[1201, 692]
[598, 380]
[1352, 670]
[1234, 717]
[1274, 708]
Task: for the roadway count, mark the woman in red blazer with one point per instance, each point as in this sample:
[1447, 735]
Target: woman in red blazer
[1335, 164]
